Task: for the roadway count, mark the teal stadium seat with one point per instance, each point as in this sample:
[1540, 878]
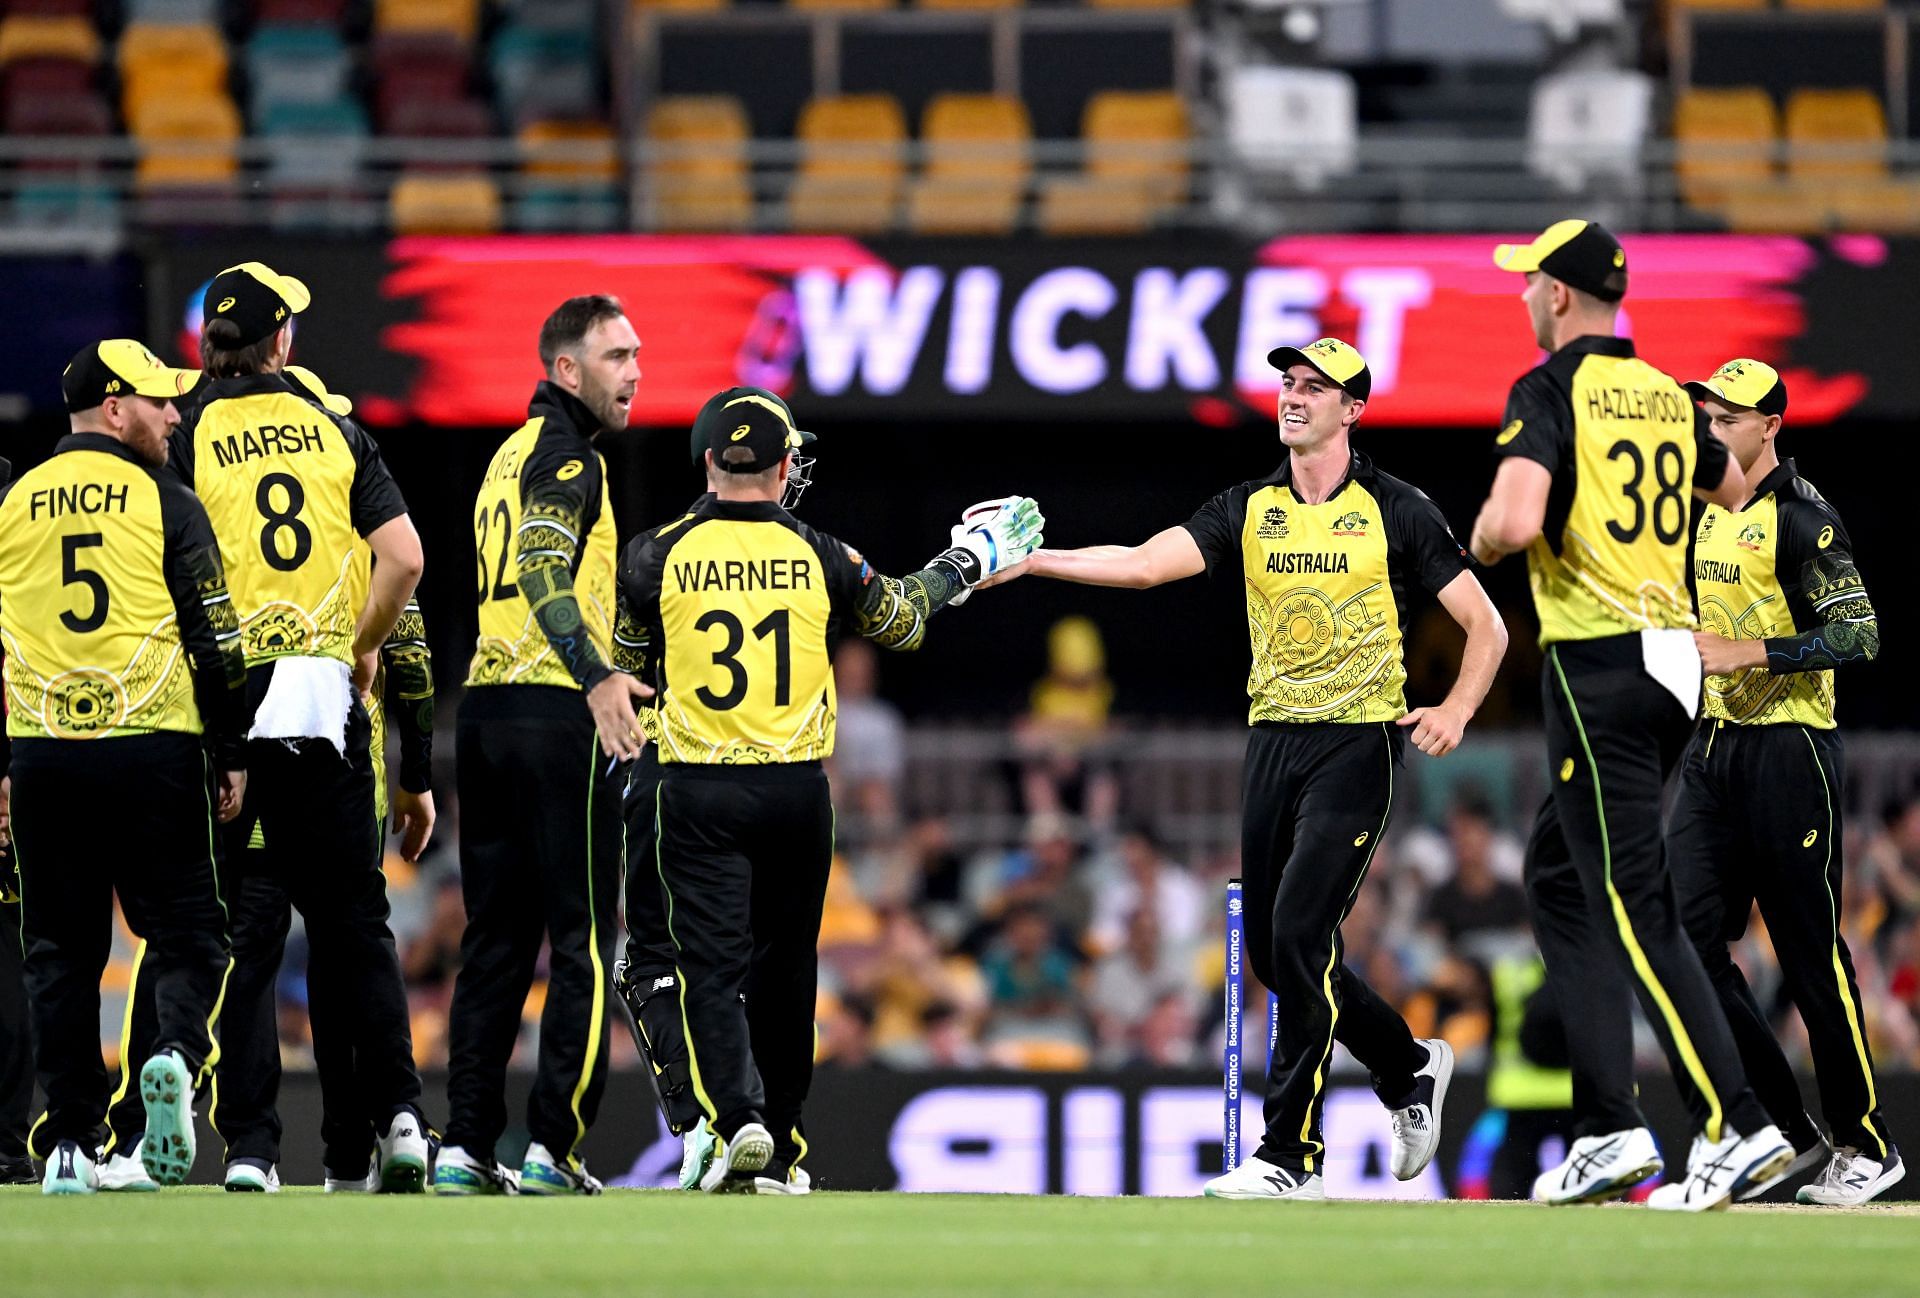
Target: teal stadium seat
[541, 73]
[295, 65]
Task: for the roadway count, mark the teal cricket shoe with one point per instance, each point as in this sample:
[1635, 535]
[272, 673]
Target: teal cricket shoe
[70, 1171]
[543, 1174]
[457, 1174]
[697, 1149]
[166, 1088]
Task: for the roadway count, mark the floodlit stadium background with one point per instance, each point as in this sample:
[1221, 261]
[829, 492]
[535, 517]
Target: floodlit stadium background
[987, 248]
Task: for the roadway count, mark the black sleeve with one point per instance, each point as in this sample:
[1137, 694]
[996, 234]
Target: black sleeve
[1418, 536]
[1537, 425]
[376, 500]
[409, 674]
[893, 612]
[1813, 561]
[1710, 453]
[637, 627]
[209, 625]
[1216, 525]
[559, 504]
[180, 453]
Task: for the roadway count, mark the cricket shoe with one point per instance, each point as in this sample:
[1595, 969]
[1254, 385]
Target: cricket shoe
[252, 1176]
[1719, 1169]
[457, 1173]
[1416, 1126]
[697, 1148]
[368, 1183]
[1804, 1160]
[17, 1169]
[781, 1180]
[166, 1089]
[1852, 1178]
[1600, 1167]
[1258, 1179]
[69, 1171]
[739, 1159]
[126, 1173]
[401, 1156]
[543, 1174]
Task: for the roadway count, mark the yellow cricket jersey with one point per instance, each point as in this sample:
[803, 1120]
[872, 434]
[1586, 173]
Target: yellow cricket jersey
[543, 506]
[1625, 446]
[1780, 569]
[291, 488]
[113, 607]
[1326, 588]
[742, 603]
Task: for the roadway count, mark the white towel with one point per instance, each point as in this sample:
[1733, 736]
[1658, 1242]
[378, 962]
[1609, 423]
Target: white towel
[308, 698]
[1671, 658]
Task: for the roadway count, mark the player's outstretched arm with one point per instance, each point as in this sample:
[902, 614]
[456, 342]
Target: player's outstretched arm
[1168, 556]
[1437, 730]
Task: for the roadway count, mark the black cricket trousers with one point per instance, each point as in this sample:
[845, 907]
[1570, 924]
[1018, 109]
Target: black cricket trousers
[131, 816]
[1603, 904]
[1317, 799]
[1758, 819]
[539, 859]
[743, 854]
[652, 981]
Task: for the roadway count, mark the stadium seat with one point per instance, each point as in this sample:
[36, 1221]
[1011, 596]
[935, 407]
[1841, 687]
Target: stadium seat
[47, 203]
[301, 13]
[568, 175]
[295, 65]
[196, 12]
[444, 204]
[1881, 206]
[1833, 6]
[814, 5]
[49, 8]
[1137, 4]
[641, 7]
[85, 115]
[1725, 140]
[978, 159]
[418, 65]
[1300, 122]
[1720, 4]
[539, 73]
[969, 4]
[37, 36]
[577, 150]
[45, 78]
[699, 180]
[1136, 166]
[1835, 135]
[1775, 207]
[459, 18]
[1589, 123]
[187, 142]
[315, 146]
[852, 163]
[554, 15]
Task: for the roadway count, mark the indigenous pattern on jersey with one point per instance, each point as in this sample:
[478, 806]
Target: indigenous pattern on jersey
[291, 488]
[114, 611]
[1327, 588]
[403, 681]
[1781, 569]
[1625, 446]
[546, 553]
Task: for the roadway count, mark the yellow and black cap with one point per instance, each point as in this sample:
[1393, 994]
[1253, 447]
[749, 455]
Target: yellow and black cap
[1753, 384]
[255, 298]
[1333, 359]
[752, 420]
[1580, 254]
[306, 378]
[120, 367]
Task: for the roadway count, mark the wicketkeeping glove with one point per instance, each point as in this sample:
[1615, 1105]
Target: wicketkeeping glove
[991, 537]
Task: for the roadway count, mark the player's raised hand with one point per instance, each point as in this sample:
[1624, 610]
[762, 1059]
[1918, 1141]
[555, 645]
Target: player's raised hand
[1436, 730]
[413, 817]
[612, 703]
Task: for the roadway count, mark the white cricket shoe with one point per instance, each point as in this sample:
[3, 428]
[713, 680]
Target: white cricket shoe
[1852, 1178]
[69, 1171]
[124, 1172]
[794, 1182]
[696, 1154]
[252, 1176]
[1718, 1170]
[1600, 1167]
[1416, 1127]
[750, 1150]
[1810, 1157]
[1258, 1179]
[368, 1184]
[400, 1156]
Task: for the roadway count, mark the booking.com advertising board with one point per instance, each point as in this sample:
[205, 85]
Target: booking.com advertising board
[441, 330]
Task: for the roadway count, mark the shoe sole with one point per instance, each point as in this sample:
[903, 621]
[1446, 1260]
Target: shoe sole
[403, 1174]
[1877, 1187]
[1619, 1187]
[1766, 1171]
[750, 1154]
[62, 1189]
[1237, 1197]
[454, 1184]
[540, 1185]
[245, 1187]
[1442, 1078]
[167, 1092]
[1802, 1162]
[767, 1185]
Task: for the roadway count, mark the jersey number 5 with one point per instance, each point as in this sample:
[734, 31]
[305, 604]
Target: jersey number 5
[72, 574]
[1671, 500]
[728, 656]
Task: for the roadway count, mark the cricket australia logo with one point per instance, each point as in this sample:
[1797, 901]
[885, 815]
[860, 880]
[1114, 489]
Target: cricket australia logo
[1751, 536]
[1273, 524]
[1351, 523]
[1706, 525]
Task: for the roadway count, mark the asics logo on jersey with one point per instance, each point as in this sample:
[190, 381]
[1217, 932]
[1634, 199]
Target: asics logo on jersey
[1809, 840]
[1826, 538]
[1510, 432]
[569, 471]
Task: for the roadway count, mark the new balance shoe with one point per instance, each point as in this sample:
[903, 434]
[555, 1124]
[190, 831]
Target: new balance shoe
[366, 1183]
[166, 1089]
[1852, 1179]
[543, 1174]
[401, 1155]
[780, 1180]
[734, 1167]
[1718, 1170]
[1805, 1159]
[69, 1171]
[125, 1172]
[1258, 1179]
[1416, 1126]
[252, 1176]
[696, 1154]
[1597, 1168]
[457, 1172]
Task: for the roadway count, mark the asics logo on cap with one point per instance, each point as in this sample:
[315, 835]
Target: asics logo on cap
[740, 432]
[226, 304]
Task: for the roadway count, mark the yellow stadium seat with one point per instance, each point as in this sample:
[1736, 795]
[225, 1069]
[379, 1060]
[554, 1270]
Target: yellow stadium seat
[645, 6]
[852, 163]
[1725, 140]
[41, 36]
[840, 4]
[1878, 206]
[1719, 4]
[978, 159]
[1136, 4]
[703, 183]
[1835, 135]
[1833, 6]
[970, 4]
[1079, 205]
[188, 79]
[1775, 207]
[455, 17]
[147, 48]
[569, 150]
[442, 203]
[1138, 136]
[187, 142]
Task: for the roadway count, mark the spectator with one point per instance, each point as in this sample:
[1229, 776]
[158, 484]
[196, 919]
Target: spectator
[1128, 994]
[1475, 910]
[1148, 881]
[1034, 1020]
[1067, 718]
[922, 871]
[1044, 874]
[870, 756]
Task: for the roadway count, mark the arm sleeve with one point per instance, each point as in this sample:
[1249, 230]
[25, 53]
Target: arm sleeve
[1216, 526]
[890, 611]
[1417, 534]
[632, 643]
[409, 674]
[1815, 560]
[209, 625]
[376, 499]
[559, 504]
[1537, 424]
[1710, 453]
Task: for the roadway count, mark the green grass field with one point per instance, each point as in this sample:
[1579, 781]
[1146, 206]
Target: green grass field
[848, 1245]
